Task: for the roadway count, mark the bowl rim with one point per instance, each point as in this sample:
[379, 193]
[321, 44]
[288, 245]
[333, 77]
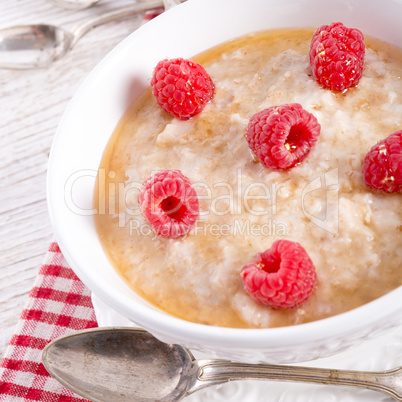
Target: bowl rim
[348, 322]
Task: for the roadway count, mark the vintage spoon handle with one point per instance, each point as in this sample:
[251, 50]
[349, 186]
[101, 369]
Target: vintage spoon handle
[113, 15]
[76, 4]
[389, 382]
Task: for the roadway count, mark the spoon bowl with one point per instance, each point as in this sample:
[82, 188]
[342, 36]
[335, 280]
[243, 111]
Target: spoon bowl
[129, 364]
[33, 46]
[114, 354]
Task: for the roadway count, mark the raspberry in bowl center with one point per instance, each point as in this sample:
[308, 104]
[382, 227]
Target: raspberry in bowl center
[281, 136]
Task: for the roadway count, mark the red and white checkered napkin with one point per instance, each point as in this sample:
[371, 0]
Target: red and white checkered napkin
[58, 304]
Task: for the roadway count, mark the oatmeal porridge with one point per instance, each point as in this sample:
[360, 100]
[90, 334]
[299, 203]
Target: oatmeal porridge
[351, 233]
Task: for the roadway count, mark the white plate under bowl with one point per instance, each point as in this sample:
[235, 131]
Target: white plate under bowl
[93, 114]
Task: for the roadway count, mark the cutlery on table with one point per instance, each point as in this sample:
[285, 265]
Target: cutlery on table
[38, 46]
[129, 364]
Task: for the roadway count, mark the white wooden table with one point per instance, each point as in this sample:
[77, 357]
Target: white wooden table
[31, 105]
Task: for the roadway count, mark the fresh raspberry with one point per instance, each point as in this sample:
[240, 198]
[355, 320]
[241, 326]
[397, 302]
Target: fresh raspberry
[282, 136]
[382, 166]
[281, 277]
[169, 203]
[182, 87]
[337, 56]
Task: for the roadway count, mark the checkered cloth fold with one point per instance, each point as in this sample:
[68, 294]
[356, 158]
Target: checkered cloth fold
[58, 304]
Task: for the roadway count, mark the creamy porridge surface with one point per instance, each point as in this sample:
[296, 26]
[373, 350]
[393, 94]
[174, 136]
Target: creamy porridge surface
[352, 234]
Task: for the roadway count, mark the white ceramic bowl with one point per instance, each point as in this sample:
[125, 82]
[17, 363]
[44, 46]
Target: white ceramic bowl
[95, 111]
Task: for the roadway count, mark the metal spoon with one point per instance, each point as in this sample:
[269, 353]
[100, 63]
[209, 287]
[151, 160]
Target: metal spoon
[76, 4]
[129, 364]
[37, 46]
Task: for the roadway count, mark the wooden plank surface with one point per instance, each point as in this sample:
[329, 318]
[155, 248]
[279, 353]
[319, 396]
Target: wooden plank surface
[31, 105]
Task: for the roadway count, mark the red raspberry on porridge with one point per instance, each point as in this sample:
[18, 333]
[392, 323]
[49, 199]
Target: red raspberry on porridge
[281, 277]
[337, 56]
[382, 166]
[182, 87]
[169, 203]
[282, 136]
